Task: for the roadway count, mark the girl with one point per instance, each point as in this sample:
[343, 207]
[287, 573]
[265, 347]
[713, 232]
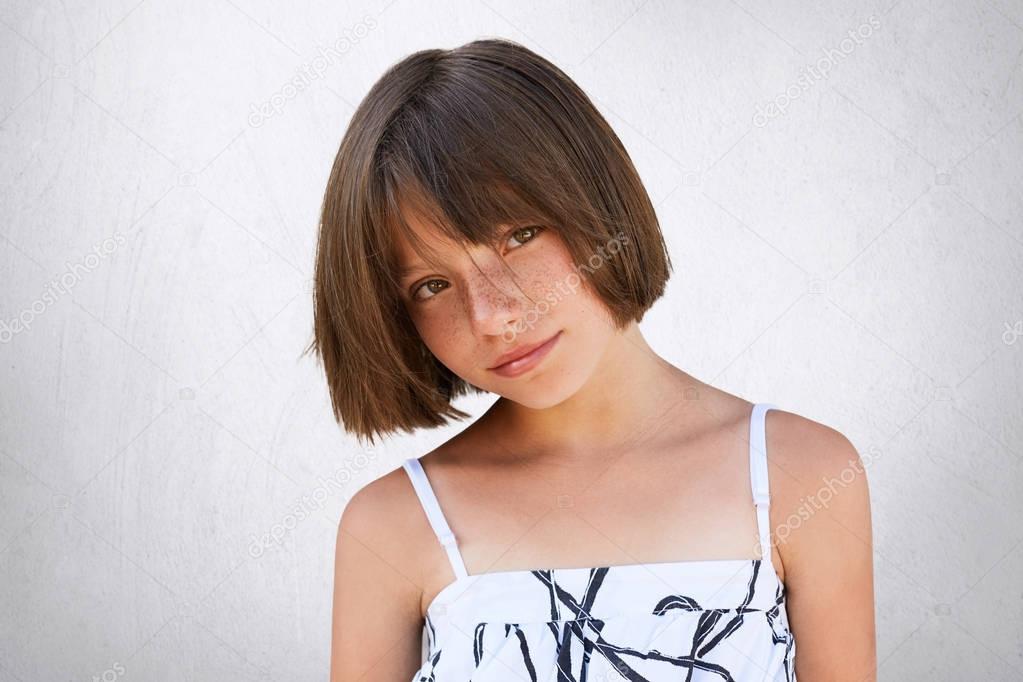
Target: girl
[610, 516]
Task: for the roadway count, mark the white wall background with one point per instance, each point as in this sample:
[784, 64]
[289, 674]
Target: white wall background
[857, 259]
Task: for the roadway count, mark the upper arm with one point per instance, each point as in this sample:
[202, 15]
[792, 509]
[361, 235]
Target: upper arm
[376, 624]
[825, 541]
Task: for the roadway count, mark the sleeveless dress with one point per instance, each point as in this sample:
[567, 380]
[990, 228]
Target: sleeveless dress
[718, 619]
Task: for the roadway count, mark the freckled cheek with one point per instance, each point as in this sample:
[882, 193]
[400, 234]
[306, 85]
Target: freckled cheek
[544, 275]
[444, 331]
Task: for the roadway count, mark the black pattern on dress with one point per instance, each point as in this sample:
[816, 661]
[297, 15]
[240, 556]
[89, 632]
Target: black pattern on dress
[719, 620]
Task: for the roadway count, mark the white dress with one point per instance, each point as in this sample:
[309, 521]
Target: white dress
[719, 620]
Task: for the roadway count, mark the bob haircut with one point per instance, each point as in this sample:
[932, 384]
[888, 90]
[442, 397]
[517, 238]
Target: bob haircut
[471, 139]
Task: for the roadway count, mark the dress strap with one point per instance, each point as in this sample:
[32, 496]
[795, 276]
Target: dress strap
[434, 515]
[758, 475]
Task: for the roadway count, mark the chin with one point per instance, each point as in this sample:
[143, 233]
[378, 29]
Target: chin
[545, 390]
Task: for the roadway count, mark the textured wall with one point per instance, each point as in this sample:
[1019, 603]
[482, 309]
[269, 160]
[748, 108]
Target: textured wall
[840, 188]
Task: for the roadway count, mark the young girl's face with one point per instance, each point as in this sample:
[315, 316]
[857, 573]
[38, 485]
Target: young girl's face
[470, 312]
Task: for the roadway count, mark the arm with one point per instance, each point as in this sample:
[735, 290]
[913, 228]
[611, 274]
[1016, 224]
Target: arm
[824, 537]
[377, 624]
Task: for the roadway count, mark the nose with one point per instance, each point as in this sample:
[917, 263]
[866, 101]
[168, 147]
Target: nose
[494, 302]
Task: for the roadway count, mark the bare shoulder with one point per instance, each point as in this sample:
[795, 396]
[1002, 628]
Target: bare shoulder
[820, 502]
[820, 522]
[381, 519]
[805, 444]
[376, 630]
[807, 452]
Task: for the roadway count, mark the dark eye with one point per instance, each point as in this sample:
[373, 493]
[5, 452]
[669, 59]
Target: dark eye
[426, 286]
[525, 234]
[432, 287]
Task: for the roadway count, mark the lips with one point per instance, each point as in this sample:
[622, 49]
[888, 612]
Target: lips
[524, 358]
[516, 353]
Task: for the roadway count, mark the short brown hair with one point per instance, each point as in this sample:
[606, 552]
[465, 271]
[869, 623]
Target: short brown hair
[474, 138]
